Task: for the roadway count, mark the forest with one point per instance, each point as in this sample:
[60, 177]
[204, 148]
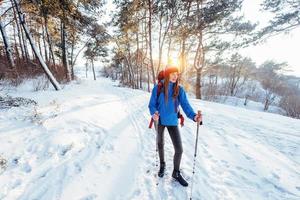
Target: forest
[201, 37]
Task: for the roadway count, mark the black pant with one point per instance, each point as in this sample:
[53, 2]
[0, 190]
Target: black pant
[177, 144]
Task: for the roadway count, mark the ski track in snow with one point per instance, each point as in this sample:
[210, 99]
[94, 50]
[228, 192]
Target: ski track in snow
[95, 144]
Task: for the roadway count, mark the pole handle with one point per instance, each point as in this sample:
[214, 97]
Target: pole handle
[200, 114]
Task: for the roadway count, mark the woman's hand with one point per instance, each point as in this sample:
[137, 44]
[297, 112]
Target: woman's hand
[198, 117]
[155, 116]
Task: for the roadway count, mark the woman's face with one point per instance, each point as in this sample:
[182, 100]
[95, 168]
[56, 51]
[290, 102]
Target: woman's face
[173, 77]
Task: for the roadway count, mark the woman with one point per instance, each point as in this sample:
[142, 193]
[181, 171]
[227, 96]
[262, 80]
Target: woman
[163, 107]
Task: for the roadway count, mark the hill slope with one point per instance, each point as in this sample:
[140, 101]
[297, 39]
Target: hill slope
[91, 141]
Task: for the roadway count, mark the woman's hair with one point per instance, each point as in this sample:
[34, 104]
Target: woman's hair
[166, 87]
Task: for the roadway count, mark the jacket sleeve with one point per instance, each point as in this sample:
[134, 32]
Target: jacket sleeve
[153, 101]
[187, 108]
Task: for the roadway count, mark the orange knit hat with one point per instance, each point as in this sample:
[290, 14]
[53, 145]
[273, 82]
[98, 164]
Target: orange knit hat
[171, 69]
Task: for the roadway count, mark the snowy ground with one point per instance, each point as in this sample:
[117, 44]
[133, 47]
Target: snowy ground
[91, 141]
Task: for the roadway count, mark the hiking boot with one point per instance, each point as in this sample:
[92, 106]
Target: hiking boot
[177, 176]
[162, 168]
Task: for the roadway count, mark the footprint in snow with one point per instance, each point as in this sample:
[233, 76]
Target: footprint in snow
[65, 149]
[240, 168]
[247, 157]
[225, 163]
[98, 146]
[26, 168]
[15, 161]
[109, 147]
[78, 168]
[89, 197]
[275, 176]
[224, 145]
[16, 183]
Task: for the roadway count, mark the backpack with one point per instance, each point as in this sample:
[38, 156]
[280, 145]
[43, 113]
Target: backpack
[160, 86]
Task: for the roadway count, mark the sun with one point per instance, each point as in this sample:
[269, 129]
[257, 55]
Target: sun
[173, 60]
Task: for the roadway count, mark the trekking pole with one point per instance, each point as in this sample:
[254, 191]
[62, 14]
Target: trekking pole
[156, 148]
[195, 154]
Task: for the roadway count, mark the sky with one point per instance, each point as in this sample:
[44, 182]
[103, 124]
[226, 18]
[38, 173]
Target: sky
[281, 48]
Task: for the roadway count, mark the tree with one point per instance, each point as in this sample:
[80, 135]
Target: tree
[150, 9]
[28, 35]
[7, 46]
[286, 16]
[166, 11]
[290, 97]
[270, 81]
[73, 18]
[291, 104]
[96, 46]
[238, 72]
[210, 20]
[130, 21]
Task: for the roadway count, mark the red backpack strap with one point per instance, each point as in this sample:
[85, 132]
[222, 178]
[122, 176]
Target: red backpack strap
[181, 120]
[151, 123]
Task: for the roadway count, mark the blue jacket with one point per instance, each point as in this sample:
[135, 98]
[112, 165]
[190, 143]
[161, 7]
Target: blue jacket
[167, 112]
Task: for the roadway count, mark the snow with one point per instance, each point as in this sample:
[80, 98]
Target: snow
[91, 140]
[251, 105]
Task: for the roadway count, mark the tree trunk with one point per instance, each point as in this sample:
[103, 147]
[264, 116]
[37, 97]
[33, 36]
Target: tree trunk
[44, 43]
[269, 99]
[141, 65]
[130, 71]
[198, 83]
[199, 65]
[162, 36]
[43, 64]
[170, 34]
[266, 106]
[148, 78]
[49, 40]
[38, 40]
[25, 45]
[141, 77]
[169, 49]
[122, 72]
[246, 100]
[146, 52]
[74, 61]
[86, 69]
[137, 60]
[7, 46]
[150, 40]
[19, 32]
[129, 64]
[72, 57]
[65, 51]
[93, 69]
[160, 43]
[15, 42]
